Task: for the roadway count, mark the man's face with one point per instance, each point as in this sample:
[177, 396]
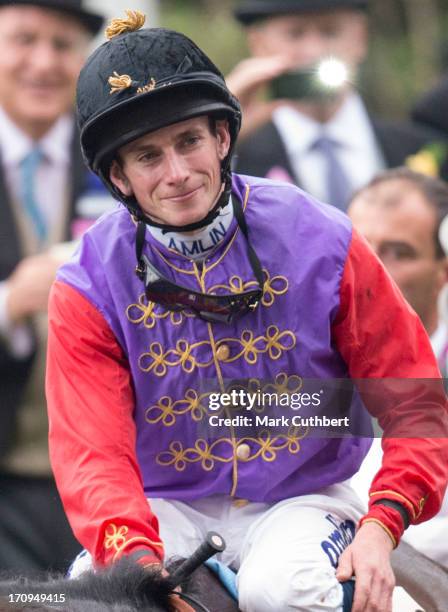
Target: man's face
[41, 55]
[174, 172]
[308, 37]
[399, 224]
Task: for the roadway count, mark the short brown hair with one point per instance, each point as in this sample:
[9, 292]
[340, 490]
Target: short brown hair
[434, 190]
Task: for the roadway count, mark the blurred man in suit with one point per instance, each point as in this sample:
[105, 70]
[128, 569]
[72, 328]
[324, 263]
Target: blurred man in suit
[399, 213]
[430, 109]
[46, 197]
[323, 139]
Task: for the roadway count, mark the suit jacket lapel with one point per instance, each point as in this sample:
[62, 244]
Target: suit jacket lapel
[10, 249]
[398, 141]
[264, 154]
[390, 148]
[277, 151]
[77, 180]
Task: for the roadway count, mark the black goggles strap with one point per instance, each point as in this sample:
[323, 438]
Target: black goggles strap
[253, 258]
[139, 244]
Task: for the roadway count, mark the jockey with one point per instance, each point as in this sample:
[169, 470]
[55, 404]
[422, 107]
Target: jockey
[201, 278]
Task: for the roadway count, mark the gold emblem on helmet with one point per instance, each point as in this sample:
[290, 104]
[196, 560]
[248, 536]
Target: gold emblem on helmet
[118, 82]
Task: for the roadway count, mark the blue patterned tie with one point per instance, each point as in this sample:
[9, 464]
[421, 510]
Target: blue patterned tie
[337, 183]
[28, 167]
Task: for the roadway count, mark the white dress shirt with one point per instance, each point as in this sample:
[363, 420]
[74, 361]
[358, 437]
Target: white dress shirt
[358, 153]
[51, 194]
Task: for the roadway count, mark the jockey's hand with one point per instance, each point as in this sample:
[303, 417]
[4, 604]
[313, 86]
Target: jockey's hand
[368, 559]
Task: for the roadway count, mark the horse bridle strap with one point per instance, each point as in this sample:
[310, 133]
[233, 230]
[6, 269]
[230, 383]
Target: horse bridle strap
[184, 600]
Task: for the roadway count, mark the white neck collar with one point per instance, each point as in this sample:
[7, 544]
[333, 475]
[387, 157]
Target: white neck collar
[198, 244]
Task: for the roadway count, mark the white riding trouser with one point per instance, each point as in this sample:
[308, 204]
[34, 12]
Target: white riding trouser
[285, 554]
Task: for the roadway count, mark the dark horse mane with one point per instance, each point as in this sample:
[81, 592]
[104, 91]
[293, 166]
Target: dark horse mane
[127, 587]
[123, 587]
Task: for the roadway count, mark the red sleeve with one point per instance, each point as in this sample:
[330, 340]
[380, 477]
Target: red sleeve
[381, 339]
[92, 433]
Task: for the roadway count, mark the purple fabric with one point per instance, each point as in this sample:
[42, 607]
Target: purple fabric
[303, 245]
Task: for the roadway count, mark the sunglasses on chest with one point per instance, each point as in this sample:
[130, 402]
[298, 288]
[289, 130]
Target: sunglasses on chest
[212, 308]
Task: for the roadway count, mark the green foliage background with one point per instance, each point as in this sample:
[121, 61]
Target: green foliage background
[408, 50]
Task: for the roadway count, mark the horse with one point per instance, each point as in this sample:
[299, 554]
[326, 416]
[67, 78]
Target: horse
[128, 587]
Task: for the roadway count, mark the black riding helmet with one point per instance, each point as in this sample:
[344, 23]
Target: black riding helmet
[143, 80]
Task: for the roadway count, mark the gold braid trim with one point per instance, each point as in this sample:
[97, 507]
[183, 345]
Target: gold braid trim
[135, 20]
[118, 82]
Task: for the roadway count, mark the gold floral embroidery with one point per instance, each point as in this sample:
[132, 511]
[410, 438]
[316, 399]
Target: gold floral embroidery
[202, 451]
[277, 341]
[157, 361]
[166, 409]
[183, 351]
[154, 360]
[277, 285]
[269, 447]
[116, 538]
[149, 313]
[285, 384]
[274, 343]
[265, 447]
[251, 347]
[186, 355]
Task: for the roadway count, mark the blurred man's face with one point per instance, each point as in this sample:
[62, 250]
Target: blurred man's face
[41, 54]
[308, 37]
[399, 224]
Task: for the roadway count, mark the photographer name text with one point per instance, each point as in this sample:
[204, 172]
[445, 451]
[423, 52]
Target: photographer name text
[283, 421]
